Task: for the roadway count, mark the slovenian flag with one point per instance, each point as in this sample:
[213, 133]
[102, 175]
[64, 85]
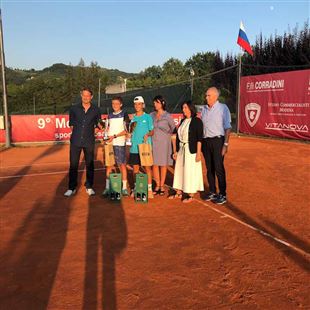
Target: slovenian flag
[243, 40]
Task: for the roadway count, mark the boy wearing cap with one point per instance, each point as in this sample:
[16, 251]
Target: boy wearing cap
[117, 136]
[141, 134]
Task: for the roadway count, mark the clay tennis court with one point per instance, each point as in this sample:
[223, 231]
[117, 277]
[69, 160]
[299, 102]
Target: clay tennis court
[88, 253]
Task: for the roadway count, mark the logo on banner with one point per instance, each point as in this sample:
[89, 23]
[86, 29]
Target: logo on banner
[287, 127]
[252, 113]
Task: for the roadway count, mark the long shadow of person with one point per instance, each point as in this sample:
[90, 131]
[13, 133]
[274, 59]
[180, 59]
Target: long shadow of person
[106, 235]
[287, 235]
[300, 259]
[31, 259]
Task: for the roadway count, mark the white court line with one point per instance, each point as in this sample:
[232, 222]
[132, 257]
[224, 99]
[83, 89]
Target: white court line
[42, 164]
[44, 173]
[49, 173]
[262, 232]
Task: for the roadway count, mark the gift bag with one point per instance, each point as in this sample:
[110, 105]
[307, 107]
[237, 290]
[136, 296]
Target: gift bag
[109, 155]
[146, 156]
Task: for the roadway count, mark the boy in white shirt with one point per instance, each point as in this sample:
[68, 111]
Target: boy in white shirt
[117, 121]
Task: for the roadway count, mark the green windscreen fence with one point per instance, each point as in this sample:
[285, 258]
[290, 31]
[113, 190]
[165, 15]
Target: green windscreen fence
[174, 95]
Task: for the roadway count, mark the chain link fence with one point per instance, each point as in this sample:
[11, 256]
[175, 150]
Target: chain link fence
[175, 94]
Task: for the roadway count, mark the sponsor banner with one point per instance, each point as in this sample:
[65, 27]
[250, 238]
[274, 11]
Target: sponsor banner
[39, 128]
[276, 104]
[2, 136]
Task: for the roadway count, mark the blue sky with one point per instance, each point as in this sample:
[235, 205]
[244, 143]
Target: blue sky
[132, 35]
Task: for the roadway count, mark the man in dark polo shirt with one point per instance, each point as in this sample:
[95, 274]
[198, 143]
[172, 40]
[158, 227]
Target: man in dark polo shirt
[83, 119]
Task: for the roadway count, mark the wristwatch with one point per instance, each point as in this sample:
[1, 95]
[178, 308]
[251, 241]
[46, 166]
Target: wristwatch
[226, 144]
[114, 136]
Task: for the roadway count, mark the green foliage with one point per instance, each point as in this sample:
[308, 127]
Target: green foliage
[56, 88]
[289, 51]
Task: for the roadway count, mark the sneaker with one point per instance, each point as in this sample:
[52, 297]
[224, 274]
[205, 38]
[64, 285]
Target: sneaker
[221, 199]
[70, 192]
[106, 192]
[118, 196]
[125, 192]
[112, 196]
[143, 197]
[138, 197]
[90, 191]
[210, 196]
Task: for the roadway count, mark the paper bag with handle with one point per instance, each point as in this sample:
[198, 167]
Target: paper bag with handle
[109, 155]
[146, 156]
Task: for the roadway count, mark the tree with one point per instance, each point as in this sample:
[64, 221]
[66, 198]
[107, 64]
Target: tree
[202, 64]
[70, 83]
[153, 72]
[173, 70]
[81, 63]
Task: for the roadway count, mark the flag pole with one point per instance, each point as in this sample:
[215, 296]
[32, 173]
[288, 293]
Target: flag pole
[5, 103]
[245, 45]
[238, 97]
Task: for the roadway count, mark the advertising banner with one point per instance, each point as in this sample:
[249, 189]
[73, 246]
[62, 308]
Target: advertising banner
[40, 128]
[276, 104]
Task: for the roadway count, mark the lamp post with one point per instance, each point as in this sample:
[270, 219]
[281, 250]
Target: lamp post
[5, 98]
[99, 86]
[125, 85]
[192, 74]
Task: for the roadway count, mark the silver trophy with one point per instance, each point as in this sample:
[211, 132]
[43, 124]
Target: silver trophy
[130, 127]
[104, 124]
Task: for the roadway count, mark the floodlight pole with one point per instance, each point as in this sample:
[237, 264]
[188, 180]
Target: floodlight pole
[238, 90]
[99, 86]
[4, 90]
[192, 74]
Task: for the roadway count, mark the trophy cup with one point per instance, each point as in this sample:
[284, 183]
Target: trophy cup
[104, 125]
[130, 129]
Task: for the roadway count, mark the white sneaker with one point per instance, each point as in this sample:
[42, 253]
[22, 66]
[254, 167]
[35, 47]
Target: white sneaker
[70, 192]
[90, 191]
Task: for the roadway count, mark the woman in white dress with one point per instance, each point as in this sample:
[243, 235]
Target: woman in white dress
[188, 168]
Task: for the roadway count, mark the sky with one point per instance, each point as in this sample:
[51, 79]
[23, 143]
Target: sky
[133, 35]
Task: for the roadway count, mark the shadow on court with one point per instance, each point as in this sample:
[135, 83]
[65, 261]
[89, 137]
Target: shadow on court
[288, 236]
[30, 261]
[106, 239]
[296, 257]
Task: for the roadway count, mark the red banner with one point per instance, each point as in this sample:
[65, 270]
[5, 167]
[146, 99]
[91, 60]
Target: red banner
[276, 104]
[40, 128]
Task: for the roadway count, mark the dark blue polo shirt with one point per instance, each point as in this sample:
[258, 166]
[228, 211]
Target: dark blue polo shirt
[84, 124]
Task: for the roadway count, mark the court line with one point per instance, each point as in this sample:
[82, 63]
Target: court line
[44, 173]
[42, 164]
[262, 232]
[49, 173]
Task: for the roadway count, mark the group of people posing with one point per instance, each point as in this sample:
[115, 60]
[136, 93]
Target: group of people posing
[207, 136]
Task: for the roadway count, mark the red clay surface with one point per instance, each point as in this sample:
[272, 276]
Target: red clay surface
[88, 253]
